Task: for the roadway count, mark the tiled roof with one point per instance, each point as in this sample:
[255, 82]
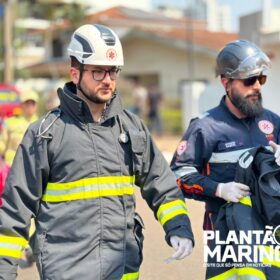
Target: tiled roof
[203, 38]
[136, 18]
[182, 29]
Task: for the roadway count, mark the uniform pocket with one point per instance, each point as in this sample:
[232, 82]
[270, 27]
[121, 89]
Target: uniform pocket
[138, 233]
[138, 145]
[38, 245]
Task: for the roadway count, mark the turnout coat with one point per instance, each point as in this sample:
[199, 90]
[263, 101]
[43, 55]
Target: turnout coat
[76, 178]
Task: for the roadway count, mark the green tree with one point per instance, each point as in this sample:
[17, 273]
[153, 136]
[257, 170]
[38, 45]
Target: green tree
[53, 11]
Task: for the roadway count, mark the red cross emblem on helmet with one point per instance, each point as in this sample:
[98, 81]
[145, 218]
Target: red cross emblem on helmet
[111, 54]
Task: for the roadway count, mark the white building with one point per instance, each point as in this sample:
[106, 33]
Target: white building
[263, 28]
[218, 17]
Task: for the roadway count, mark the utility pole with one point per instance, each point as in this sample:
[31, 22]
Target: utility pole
[190, 41]
[8, 42]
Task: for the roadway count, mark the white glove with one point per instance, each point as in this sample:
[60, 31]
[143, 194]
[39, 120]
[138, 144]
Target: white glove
[232, 191]
[183, 247]
[276, 150]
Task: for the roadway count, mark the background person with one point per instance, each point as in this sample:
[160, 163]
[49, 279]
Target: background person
[154, 102]
[75, 172]
[4, 170]
[206, 158]
[139, 96]
[12, 133]
[15, 127]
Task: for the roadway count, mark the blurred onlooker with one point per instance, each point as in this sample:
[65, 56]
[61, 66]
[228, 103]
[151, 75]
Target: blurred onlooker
[11, 135]
[52, 100]
[154, 101]
[139, 95]
[4, 170]
[15, 127]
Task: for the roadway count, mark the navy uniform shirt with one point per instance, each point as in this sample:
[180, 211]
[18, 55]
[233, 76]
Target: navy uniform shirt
[211, 146]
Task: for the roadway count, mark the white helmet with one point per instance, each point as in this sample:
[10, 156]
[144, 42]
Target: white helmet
[96, 45]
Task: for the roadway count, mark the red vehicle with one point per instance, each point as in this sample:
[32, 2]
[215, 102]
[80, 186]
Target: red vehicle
[9, 101]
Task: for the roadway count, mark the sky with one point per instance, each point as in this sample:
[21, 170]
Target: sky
[238, 7]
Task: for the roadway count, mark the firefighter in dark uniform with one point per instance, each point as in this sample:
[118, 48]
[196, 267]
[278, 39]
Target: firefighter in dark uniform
[206, 158]
[75, 172]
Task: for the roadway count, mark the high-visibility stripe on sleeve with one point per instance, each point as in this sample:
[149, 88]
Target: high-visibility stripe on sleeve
[130, 276]
[229, 157]
[12, 246]
[227, 275]
[89, 188]
[246, 200]
[185, 170]
[224, 157]
[170, 210]
[276, 257]
[243, 273]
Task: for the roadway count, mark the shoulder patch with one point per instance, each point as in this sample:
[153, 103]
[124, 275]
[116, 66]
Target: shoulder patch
[266, 126]
[182, 147]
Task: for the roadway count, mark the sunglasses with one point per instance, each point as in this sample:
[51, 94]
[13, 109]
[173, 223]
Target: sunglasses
[252, 80]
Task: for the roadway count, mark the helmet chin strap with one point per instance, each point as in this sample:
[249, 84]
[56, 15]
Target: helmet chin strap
[227, 92]
[228, 96]
[81, 69]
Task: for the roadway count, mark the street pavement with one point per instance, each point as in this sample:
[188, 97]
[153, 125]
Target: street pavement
[156, 249]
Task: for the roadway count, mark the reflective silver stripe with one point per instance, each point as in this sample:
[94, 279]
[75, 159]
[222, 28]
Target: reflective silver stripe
[89, 188]
[10, 246]
[229, 157]
[185, 170]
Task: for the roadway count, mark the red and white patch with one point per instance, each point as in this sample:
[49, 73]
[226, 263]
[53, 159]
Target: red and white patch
[182, 147]
[266, 126]
[111, 55]
[270, 137]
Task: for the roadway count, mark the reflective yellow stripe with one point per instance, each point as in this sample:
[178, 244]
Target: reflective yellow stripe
[92, 181]
[131, 276]
[11, 253]
[12, 246]
[268, 261]
[246, 200]
[243, 273]
[247, 273]
[225, 275]
[171, 209]
[89, 188]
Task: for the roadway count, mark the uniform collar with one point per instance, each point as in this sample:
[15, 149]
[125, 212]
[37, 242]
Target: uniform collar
[78, 108]
[227, 111]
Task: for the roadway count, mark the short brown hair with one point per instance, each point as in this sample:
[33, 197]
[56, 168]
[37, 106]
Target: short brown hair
[75, 62]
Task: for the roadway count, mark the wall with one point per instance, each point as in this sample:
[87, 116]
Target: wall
[249, 27]
[198, 97]
[100, 5]
[171, 64]
[271, 92]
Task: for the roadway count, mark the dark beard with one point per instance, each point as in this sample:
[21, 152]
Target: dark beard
[92, 98]
[249, 109]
